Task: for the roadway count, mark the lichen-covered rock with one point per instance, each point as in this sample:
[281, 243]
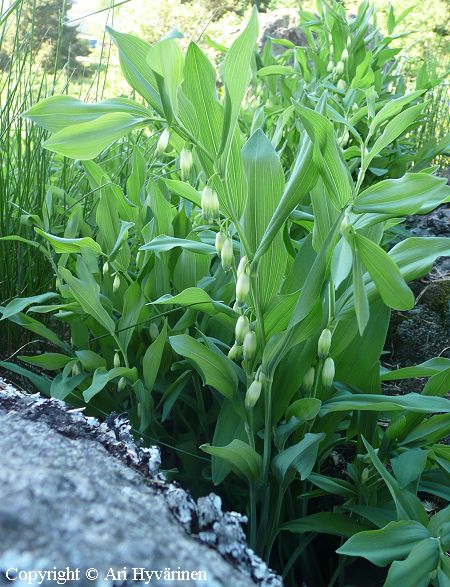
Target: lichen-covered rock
[78, 493]
[282, 23]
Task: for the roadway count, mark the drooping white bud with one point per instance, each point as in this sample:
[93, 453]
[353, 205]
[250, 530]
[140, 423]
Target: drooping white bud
[344, 55]
[162, 143]
[235, 352]
[252, 395]
[210, 204]
[105, 268]
[323, 346]
[220, 240]
[241, 329]
[186, 162]
[330, 66]
[249, 345]
[122, 384]
[339, 69]
[227, 254]
[242, 288]
[328, 372]
[341, 85]
[308, 379]
[116, 360]
[116, 283]
[242, 265]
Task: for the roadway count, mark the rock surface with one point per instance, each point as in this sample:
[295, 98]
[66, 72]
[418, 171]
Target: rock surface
[78, 493]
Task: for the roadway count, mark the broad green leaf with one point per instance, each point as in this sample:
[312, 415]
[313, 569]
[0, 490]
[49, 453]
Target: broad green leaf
[165, 58]
[197, 299]
[408, 505]
[49, 361]
[392, 108]
[102, 377]
[300, 457]
[17, 305]
[415, 256]
[325, 523]
[332, 485]
[86, 140]
[276, 70]
[431, 430]
[229, 426]
[35, 326]
[408, 466]
[402, 196]
[236, 74]
[417, 567]
[41, 383]
[242, 458]
[165, 243]
[90, 360]
[265, 181]
[58, 112]
[185, 190]
[70, 245]
[133, 303]
[360, 300]
[304, 409]
[62, 385]
[214, 369]
[88, 296]
[412, 402]
[341, 262]
[133, 61]
[152, 359]
[387, 277]
[426, 369]
[388, 544]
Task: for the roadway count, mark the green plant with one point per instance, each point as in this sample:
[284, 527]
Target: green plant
[237, 298]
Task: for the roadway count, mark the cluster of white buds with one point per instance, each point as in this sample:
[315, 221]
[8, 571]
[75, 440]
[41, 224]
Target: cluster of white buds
[162, 143]
[186, 162]
[116, 283]
[210, 204]
[226, 254]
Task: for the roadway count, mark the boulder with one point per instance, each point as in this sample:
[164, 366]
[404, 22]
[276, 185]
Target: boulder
[79, 493]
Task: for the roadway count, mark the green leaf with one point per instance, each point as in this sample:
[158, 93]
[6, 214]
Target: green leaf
[402, 196]
[86, 140]
[58, 112]
[412, 402]
[360, 296]
[276, 70]
[133, 61]
[35, 326]
[265, 181]
[325, 523]
[304, 409]
[236, 74]
[90, 360]
[387, 277]
[102, 377]
[392, 542]
[70, 245]
[164, 243]
[215, 369]
[408, 467]
[242, 458]
[426, 369]
[415, 256]
[133, 303]
[300, 457]
[197, 299]
[417, 567]
[392, 108]
[88, 296]
[41, 383]
[229, 426]
[184, 190]
[17, 305]
[49, 361]
[332, 485]
[152, 359]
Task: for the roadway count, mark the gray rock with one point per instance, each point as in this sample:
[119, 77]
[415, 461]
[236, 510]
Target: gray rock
[282, 23]
[82, 494]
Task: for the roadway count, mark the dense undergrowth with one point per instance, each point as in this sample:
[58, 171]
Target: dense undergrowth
[230, 285]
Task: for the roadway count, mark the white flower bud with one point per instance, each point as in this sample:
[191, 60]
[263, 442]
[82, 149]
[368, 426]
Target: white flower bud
[323, 346]
[342, 85]
[116, 283]
[235, 352]
[348, 43]
[241, 329]
[344, 55]
[253, 393]
[105, 268]
[122, 384]
[242, 265]
[227, 254]
[308, 379]
[330, 66]
[162, 143]
[249, 345]
[116, 360]
[242, 288]
[354, 107]
[210, 204]
[331, 50]
[339, 69]
[328, 372]
[186, 162]
[220, 240]
[76, 369]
